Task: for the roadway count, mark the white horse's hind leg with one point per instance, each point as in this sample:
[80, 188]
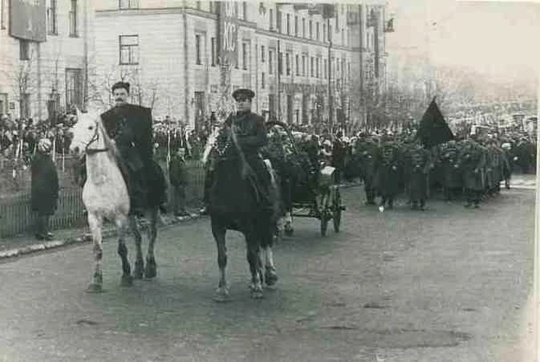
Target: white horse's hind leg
[150, 270]
[288, 228]
[270, 275]
[95, 224]
[139, 261]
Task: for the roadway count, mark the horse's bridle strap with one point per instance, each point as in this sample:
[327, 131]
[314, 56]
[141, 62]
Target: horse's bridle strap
[94, 138]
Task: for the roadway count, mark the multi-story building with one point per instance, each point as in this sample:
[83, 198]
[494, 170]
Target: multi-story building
[44, 48]
[305, 63]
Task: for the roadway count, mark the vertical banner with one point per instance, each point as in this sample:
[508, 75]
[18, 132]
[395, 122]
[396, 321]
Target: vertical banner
[228, 32]
[28, 20]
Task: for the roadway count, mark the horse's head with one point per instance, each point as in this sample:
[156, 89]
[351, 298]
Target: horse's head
[85, 132]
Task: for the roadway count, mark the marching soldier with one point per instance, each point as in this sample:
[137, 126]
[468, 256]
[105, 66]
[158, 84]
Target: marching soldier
[388, 172]
[418, 166]
[451, 172]
[366, 151]
[472, 159]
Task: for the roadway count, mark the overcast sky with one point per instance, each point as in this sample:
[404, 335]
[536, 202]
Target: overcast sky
[494, 37]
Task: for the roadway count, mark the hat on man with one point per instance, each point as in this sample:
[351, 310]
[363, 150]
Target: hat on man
[243, 93]
[120, 85]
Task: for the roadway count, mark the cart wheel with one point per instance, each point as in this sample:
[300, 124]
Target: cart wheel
[324, 222]
[336, 210]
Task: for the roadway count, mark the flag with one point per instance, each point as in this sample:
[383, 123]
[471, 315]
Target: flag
[433, 129]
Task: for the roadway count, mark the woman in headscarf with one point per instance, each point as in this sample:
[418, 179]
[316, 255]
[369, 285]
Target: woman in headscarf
[44, 188]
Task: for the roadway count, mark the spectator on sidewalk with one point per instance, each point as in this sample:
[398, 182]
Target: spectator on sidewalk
[44, 185]
[179, 180]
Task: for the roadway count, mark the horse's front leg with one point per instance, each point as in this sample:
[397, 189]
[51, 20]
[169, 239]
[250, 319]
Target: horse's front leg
[270, 275]
[255, 267]
[139, 261]
[219, 231]
[121, 225]
[95, 224]
[151, 267]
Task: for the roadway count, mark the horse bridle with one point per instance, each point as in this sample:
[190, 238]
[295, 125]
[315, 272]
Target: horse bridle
[95, 138]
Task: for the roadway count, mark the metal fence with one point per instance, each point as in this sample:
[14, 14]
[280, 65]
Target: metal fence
[16, 216]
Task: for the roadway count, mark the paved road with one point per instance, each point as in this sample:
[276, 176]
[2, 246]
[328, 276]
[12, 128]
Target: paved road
[449, 284]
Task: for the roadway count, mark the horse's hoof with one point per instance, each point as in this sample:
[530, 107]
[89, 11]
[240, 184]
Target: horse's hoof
[150, 272]
[94, 288]
[222, 295]
[127, 280]
[256, 294]
[139, 270]
[270, 277]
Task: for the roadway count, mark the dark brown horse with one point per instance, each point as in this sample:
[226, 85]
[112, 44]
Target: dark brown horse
[234, 204]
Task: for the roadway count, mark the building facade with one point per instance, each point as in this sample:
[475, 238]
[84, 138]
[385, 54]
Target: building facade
[44, 49]
[308, 64]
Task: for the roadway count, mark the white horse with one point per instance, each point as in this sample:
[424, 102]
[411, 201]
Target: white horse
[105, 196]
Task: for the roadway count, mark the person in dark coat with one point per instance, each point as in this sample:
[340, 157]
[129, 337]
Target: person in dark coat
[388, 173]
[418, 165]
[339, 153]
[251, 135]
[178, 178]
[451, 172]
[131, 127]
[472, 159]
[44, 185]
[366, 150]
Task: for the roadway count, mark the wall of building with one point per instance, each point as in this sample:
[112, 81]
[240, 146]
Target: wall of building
[48, 62]
[167, 36]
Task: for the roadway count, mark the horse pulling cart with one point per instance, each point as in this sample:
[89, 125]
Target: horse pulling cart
[308, 190]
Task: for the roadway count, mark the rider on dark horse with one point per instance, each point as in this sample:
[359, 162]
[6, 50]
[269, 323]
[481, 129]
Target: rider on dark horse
[252, 136]
[131, 128]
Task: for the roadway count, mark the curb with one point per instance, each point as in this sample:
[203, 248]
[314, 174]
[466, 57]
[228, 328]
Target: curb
[84, 238]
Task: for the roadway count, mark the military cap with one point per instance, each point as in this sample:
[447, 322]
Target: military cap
[243, 93]
[120, 85]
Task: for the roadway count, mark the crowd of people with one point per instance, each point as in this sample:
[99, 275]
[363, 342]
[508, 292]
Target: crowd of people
[471, 166]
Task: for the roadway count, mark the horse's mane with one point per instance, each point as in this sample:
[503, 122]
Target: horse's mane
[109, 144]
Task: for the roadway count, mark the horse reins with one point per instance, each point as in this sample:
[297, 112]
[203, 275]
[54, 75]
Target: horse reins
[95, 138]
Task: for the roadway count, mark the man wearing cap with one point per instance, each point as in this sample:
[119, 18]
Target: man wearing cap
[251, 135]
[131, 127]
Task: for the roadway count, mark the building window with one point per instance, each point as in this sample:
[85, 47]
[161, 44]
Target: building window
[317, 30]
[303, 65]
[303, 28]
[297, 64]
[52, 21]
[244, 11]
[73, 19]
[3, 13]
[198, 49]
[271, 17]
[324, 33]
[198, 5]
[296, 25]
[245, 54]
[318, 71]
[129, 49]
[263, 54]
[280, 63]
[213, 6]
[325, 69]
[74, 87]
[25, 105]
[214, 52]
[24, 50]
[128, 4]
[288, 24]
[288, 63]
[312, 67]
[263, 82]
[278, 19]
[311, 29]
[270, 62]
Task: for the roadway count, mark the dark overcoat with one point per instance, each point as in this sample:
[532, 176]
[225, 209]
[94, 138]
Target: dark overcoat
[44, 184]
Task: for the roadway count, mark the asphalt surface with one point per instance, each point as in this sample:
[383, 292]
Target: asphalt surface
[448, 284]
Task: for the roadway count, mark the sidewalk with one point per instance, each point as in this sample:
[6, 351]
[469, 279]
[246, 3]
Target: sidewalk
[19, 245]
